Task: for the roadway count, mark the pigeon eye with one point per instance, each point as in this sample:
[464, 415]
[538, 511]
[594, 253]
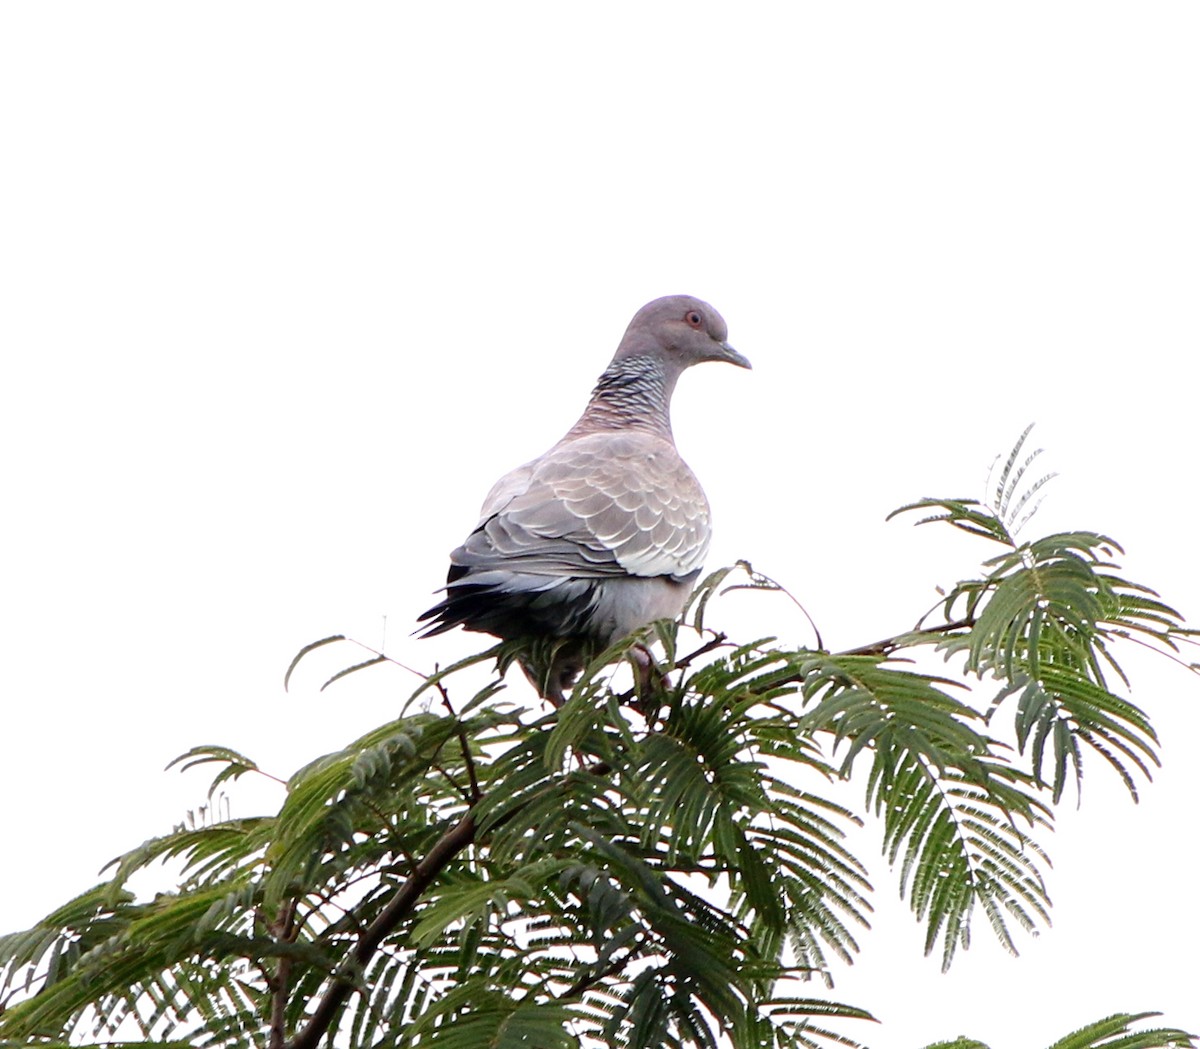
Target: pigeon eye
[694, 319]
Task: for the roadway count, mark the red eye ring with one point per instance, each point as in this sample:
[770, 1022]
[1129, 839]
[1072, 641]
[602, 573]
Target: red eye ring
[693, 318]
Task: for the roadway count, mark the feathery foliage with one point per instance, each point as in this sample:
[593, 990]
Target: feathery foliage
[656, 865]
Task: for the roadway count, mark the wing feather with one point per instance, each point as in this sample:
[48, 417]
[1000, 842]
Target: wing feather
[598, 506]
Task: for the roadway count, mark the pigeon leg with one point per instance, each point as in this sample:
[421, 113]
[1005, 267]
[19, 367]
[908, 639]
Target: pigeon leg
[648, 681]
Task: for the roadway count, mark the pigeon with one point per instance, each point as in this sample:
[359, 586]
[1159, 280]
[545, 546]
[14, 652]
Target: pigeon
[607, 531]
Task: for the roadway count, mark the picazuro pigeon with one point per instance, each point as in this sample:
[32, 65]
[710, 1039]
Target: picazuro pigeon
[607, 531]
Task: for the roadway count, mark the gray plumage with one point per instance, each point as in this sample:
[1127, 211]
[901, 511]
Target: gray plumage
[607, 531]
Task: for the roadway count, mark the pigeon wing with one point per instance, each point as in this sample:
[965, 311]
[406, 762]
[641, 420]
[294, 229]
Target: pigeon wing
[603, 505]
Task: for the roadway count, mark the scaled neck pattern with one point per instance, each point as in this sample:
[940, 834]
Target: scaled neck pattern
[634, 393]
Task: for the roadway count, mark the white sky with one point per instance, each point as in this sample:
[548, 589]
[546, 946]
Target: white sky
[285, 288]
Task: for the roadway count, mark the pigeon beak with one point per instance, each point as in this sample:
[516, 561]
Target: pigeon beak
[728, 353]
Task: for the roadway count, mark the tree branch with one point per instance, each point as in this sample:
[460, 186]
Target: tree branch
[468, 759]
[716, 641]
[888, 645]
[590, 979]
[438, 858]
[450, 845]
[283, 930]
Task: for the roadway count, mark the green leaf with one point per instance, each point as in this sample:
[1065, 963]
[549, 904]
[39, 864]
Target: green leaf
[311, 647]
[1116, 1032]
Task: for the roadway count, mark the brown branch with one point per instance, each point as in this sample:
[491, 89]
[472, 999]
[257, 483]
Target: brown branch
[476, 794]
[716, 641]
[406, 897]
[468, 758]
[590, 979]
[398, 908]
[283, 930]
[889, 645]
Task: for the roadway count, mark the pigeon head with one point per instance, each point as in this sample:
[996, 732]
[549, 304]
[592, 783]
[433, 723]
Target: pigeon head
[682, 331]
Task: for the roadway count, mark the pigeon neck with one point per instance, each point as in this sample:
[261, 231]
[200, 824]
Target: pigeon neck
[634, 393]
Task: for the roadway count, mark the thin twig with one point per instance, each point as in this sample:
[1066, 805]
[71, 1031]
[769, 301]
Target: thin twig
[888, 645]
[1126, 635]
[468, 757]
[591, 979]
[386, 658]
[759, 579]
[454, 783]
[716, 641]
[325, 900]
